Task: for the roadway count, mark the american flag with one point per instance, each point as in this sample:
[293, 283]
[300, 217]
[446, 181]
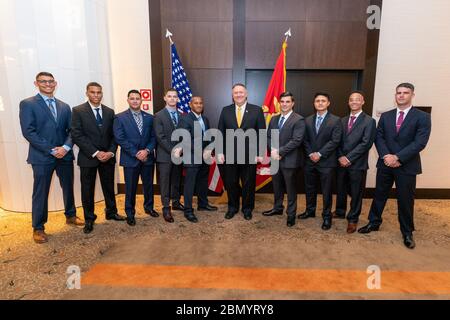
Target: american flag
[181, 84]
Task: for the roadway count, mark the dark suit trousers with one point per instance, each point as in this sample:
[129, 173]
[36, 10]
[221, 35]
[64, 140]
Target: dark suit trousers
[405, 188]
[325, 175]
[169, 182]
[196, 180]
[233, 174]
[88, 176]
[350, 182]
[131, 182]
[42, 175]
[285, 181]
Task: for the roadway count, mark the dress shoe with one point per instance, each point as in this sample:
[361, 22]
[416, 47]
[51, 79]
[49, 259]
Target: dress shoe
[191, 217]
[39, 236]
[326, 224]
[248, 216]
[131, 221]
[88, 227]
[368, 228]
[291, 221]
[177, 206]
[338, 215]
[168, 217]
[153, 213]
[306, 215]
[229, 215]
[272, 212]
[351, 228]
[208, 208]
[409, 242]
[116, 217]
[74, 221]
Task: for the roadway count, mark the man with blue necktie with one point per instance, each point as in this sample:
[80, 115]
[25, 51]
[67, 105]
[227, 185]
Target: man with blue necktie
[170, 174]
[45, 122]
[322, 138]
[134, 133]
[402, 134]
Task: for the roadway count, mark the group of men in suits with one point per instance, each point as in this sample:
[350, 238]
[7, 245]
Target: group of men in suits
[323, 144]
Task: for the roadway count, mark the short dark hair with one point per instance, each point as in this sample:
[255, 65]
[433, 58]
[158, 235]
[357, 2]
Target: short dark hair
[133, 91]
[358, 92]
[287, 94]
[238, 85]
[44, 74]
[171, 90]
[325, 94]
[93, 84]
[406, 85]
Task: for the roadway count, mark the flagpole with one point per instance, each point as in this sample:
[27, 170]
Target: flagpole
[287, 34]
[169, 35]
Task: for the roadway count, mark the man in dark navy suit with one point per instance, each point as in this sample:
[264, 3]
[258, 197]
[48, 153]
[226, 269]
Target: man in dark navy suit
[196, 169]
[133, 131]
[402, 134]
[358, 135]
[45, 123]
[322, 137]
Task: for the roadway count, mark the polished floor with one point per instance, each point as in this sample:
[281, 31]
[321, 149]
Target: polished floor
[228, 259]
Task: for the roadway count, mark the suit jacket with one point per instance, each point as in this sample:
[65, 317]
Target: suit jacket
[163, 130]
[356, 144]
[128, 137]
[291, 138]
[407, 143]
[91, 138]
[253, 118]
[190, 122]
[42, 131]
[326, 141]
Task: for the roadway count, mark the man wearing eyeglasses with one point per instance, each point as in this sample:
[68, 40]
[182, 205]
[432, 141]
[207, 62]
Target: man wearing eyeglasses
[45, 123]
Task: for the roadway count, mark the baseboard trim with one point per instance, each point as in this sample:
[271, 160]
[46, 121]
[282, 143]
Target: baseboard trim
[368, 194]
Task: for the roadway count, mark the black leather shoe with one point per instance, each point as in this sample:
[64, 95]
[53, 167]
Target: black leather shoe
[88, 227]
[177, 206]
[409, 242]
[208, 208]
[153, 213]
[229, 215]
[272, 212]
[368, 228]
[168, 217]
[306, 215]
[248, 216]
[131, 221]
[326, 224]
[291, 221]
[191, 217]
[116, 217]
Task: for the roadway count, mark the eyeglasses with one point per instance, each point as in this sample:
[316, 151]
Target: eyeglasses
[50, 82]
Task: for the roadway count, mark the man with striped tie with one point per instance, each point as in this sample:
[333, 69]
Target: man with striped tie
[134, 133]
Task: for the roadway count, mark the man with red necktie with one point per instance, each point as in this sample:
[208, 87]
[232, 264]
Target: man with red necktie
[402, 134]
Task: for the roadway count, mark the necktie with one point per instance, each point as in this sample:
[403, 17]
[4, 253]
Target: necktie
[318, 123]
[174, 118]
[400, 120]
[98, 117]
[202, 124]
[239, 116]
[280, 124]
[52, 107]
[351, 123]
[138, 119]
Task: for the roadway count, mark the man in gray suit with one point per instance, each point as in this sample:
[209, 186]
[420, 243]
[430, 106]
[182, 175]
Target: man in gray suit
[166, 121]
[291, 127]
[322, 137]
[358, 135]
